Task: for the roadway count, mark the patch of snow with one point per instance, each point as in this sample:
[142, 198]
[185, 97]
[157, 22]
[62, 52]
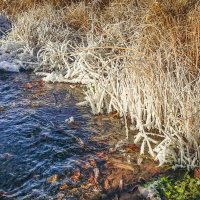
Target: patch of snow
[83, 103]
[58, 77]
[8, 67]
[54, 77]
[41, 73]
[13, 57]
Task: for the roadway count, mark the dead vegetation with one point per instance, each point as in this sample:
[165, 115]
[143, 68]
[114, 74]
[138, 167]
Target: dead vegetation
[137, 58]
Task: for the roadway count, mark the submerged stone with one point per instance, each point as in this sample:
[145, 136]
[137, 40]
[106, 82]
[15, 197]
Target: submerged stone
[2, 108]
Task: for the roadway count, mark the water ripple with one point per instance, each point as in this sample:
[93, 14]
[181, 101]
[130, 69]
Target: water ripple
[35, 141]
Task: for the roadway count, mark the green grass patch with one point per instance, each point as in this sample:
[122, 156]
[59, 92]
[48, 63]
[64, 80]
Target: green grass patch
[173, 188]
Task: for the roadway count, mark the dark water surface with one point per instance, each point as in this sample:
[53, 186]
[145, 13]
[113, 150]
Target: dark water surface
[35, 141]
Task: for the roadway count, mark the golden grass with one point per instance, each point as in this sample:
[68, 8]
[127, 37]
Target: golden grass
[14, 7]
[77, 16]
[140, 59]
[179, 31]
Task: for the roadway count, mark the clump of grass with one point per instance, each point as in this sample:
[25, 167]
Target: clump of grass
[137, 59]
[183, 188]
[77, 16]
[14, 7]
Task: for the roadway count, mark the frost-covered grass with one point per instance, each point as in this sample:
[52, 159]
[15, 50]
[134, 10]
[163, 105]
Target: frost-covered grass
[139, 59]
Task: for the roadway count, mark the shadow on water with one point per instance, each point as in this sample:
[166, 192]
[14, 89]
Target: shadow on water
[35, 141]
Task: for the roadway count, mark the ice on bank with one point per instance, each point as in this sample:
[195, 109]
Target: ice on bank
[8, 67]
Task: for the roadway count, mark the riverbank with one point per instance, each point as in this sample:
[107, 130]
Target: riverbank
[139, 60]
[45, 156]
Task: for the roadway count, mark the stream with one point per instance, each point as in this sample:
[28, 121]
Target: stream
[36, 142]
[51, 148]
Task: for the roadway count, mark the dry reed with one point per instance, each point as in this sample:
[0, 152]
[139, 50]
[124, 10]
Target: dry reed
[139, 59]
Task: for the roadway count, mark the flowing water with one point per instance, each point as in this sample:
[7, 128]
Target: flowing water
[35, 140]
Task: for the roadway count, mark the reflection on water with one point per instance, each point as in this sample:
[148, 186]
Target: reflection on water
[35, 141]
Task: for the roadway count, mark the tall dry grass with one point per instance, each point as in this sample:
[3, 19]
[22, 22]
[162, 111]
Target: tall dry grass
[140, 59]
[14, 7]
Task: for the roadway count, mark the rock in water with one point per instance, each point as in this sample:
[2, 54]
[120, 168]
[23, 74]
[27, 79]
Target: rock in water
[72, 123]
[8, 67]
[5, 25]
[70, 120]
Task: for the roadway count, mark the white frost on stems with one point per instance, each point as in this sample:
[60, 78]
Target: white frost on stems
[155, 91]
